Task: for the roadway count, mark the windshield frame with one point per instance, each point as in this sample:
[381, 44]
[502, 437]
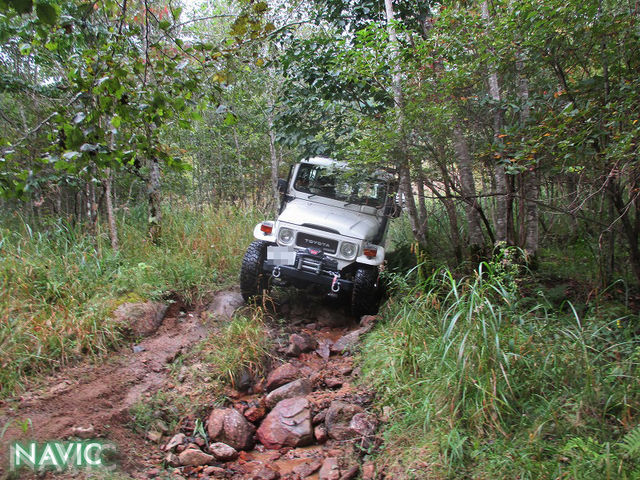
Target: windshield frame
[327, 181]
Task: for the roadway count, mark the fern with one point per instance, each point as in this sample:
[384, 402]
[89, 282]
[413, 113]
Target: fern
[630, 444]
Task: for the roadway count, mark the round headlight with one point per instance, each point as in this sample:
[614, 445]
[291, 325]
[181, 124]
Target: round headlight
[285, 235]
[348, 250]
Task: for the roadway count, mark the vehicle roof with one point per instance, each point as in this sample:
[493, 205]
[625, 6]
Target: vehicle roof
[324, 162]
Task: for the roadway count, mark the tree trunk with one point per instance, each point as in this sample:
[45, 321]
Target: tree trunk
[401, 149]
[468, 188]
[274, 160]
[530, 186]
[240, 167]
[501, 214]
[113, 230]
[155, 197]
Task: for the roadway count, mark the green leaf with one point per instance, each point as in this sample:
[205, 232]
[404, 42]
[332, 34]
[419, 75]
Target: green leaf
[22, 6]
[230, 119]
[176, 13]
[47, 14]
[164, 24]
[25, 48]
[116, 121]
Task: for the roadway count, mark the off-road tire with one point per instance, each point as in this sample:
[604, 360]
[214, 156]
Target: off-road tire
[365, 296]
[253, 280]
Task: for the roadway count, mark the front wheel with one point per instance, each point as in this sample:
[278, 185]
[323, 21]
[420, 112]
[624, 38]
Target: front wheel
[253, 280]
[365, 296]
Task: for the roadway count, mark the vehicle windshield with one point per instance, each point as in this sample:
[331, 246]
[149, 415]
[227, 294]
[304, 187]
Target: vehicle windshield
[341, 185]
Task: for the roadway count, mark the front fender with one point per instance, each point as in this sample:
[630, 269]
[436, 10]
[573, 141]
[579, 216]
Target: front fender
[260, 235]
[377, 260]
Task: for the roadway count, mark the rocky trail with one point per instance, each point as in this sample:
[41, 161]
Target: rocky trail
[306, 419]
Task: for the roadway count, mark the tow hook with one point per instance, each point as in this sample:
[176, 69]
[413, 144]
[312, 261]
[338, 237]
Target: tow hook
[335, 285]
[276, 272]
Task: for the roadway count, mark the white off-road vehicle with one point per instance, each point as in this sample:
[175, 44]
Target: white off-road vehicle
[330, 233]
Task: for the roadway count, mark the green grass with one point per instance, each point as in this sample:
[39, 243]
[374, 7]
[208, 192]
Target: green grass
[484, 383]
[59, 285]
[236, 349]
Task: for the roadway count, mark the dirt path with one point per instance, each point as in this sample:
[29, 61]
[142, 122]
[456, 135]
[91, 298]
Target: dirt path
[93, 400]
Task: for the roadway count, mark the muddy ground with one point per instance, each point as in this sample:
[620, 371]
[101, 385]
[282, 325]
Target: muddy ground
[315, 338]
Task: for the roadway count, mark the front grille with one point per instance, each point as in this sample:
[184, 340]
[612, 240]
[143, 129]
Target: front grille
[311, 241]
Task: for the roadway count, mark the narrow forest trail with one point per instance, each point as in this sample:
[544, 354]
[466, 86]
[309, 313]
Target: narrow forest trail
[323, 432]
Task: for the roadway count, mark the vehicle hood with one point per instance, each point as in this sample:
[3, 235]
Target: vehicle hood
[346, 222]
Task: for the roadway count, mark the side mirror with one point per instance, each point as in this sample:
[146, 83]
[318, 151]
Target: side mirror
[282, 185]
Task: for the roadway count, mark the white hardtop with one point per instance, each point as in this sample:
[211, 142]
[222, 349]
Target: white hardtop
[325, 162]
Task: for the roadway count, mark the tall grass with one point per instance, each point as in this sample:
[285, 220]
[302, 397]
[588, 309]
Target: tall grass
[486, 384]
[59, 285]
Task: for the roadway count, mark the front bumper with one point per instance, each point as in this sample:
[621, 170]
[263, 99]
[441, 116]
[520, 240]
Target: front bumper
[309, 269]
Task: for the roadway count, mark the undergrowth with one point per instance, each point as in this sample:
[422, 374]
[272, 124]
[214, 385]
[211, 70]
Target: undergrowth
[485, 383]
[60, 284]
[234, 354]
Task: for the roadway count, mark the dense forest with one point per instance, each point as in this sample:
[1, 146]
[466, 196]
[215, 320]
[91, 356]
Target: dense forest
[141, 140]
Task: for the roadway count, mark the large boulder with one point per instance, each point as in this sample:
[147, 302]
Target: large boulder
[140, 319]
[297, 388]
[338, 420]
[224, 304]
[229, 426]
[282, 375]
[287, 425]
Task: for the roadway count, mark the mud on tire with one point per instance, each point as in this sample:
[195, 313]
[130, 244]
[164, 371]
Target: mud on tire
[365, 296]
[253, 280]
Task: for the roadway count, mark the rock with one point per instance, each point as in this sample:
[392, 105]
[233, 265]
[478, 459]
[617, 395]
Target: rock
[324, 349]
[153, 472]
[223, 452]
[154, 436]
[215, 472]
[319, 417]
[363, 425]
[161, 426]
[83, 432]
[320, 434]
[266, 474]
[347, 342]
[307, 469]
[229, 426]
[338, 419]
[304, 342]
[282, 375]
[369, 321]
[255, 413]
[368, 471]
[224, 304]
[351, 473]
[345, 369]
[244, 381]
[140, 319]
[138, 348]
[172, 460]
[194, 457]
[288, 424]
[292, 350]
[330, 469]
[297, 388]
[333, 382]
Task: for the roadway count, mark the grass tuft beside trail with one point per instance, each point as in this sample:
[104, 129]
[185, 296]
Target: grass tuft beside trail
[59, 284]
[484, 383]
